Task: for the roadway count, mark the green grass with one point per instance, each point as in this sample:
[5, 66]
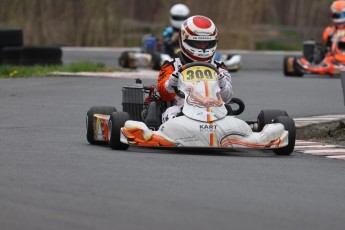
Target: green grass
[272, 45]
[10, 71]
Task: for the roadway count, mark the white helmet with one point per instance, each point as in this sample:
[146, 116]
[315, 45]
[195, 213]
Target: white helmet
[178, 13]
[198, 38]
[338, 12]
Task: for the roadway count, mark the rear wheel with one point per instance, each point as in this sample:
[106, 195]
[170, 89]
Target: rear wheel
[116, 121]
[124, 59]
[266, 117]
[289, 126]
[106, 110]
[155, 61]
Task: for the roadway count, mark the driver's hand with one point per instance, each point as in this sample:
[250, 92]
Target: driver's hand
[173, 81]
[222, 78]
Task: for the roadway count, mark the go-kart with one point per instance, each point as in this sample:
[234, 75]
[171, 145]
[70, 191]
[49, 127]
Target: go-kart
[151, 57]
[317, 59]
[204, 122]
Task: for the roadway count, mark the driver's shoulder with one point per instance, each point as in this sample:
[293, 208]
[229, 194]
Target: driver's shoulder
[175, 63]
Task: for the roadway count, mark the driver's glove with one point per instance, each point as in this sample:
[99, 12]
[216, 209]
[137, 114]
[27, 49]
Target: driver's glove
[222, 78]
[173, 81]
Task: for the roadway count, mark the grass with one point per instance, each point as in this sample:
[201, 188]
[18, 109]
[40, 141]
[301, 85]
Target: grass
[273, 45]
[11, 71]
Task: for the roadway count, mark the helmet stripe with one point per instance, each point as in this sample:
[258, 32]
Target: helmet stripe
[190, 32]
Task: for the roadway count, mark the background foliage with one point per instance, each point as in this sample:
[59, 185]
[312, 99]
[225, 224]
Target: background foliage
[244, 24]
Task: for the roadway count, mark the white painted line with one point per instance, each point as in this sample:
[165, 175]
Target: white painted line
[315, 146]
[308, 143]
[325, 151]
[315, 119]
[336, 115]
[304, 141]
[336, 157]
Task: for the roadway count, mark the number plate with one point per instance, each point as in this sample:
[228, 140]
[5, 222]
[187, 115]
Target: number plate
[199, 73]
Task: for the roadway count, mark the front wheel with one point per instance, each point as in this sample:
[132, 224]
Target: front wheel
[116, 121]
[90, 126]
[289, 126]
[290, 67]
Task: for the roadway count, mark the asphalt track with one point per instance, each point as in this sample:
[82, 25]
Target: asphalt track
[51, 178]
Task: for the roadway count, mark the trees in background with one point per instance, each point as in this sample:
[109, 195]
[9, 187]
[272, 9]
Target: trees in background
[123, 22]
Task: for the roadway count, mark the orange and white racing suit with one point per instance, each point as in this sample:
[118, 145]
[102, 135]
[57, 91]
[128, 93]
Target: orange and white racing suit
[331, 31]
[168, 95]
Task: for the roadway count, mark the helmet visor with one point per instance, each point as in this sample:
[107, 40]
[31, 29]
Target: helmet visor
[338, 15]
[201, 44]
[178, 18]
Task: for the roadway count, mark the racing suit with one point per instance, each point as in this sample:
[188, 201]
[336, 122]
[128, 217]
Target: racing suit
[330, 32]
[167, 93]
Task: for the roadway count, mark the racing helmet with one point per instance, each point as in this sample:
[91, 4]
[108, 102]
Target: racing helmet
[198, 38]
[338, 12]
[178, 13]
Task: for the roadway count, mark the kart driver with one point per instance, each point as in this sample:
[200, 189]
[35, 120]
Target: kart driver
[338, 18]
[178, 13]
[198, 37]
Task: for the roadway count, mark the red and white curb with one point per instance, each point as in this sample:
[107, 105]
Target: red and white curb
[319, 148]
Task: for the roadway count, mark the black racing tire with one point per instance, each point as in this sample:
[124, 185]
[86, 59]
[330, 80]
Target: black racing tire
[116, 121]
[11, 37]
[309, 49]
[124, 59]
[289, 126]
[155, 61]
[11, 55]
[320, 53]
[41, 55]
[106, 110]
[290, 67]
[229, 56]
[266, 117]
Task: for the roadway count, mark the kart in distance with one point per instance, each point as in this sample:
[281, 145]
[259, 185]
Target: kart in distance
[317, 59]
[152, 57]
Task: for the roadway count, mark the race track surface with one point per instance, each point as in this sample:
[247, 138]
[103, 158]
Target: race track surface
[52, 178]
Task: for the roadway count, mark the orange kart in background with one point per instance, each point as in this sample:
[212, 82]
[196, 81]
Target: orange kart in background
[317, 59]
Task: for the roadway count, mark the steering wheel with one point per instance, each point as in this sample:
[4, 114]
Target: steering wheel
[186, 66]
[240, 105]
